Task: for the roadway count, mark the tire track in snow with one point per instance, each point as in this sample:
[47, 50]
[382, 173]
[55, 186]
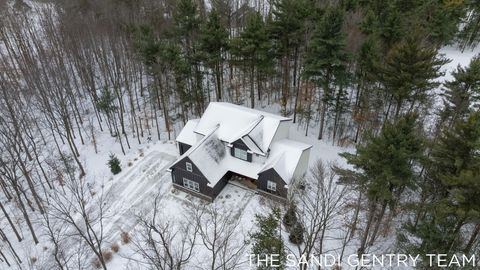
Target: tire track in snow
[134, 192]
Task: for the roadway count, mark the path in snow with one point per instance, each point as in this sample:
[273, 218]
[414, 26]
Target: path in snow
[134, 192]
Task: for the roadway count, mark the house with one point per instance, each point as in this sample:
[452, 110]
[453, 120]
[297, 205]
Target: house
[234, 142]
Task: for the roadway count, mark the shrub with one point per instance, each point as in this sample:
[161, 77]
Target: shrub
[296, 234]
[107, 255]
[125, 237]
[115, 247]
[290, 217]
[114, 164]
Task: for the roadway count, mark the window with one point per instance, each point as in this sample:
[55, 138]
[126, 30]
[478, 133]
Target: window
[189, 166]
[272, 186]
[240, 153]
[192, 185]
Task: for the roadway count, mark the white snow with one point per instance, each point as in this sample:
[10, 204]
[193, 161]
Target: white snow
[285, 158]
[187, 135]
[236, 121]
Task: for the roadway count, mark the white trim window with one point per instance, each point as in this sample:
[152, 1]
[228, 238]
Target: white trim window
[272, 186]
[192, 185]
[240, 153]
[188, 166]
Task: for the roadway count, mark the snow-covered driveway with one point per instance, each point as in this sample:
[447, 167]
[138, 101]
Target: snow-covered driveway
[133, 192]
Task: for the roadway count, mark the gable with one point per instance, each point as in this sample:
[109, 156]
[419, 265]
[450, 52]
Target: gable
[272, 175]
[235, 122]
[182, 165]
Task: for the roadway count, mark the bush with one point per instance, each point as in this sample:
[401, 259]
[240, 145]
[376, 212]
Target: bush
[125, 237]
[290, 217]
[115, 247]
[296, 234]
[107, 255]
[114, 164]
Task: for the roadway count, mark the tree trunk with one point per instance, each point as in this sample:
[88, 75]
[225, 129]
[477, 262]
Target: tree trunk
[472, 239]
[377, 225]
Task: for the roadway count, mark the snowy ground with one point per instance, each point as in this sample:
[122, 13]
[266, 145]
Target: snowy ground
[144, 176]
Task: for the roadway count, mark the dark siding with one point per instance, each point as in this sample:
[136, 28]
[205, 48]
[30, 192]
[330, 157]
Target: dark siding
[179, 171]
[241, 145]
[272, 175]
[221, 184]
[183, 147]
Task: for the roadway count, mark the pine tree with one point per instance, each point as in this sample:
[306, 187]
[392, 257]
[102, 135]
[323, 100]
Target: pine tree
[290, 217]
[453, 190]
[252, 50]
[392, 21]
[287, 31]
[461, 92]
[267, 239]
[187, 23]
[384, 169]
[326, 58]
[367, 98]
[470, 33]
[214, 39]
[408, 73]
[114, 164]
[296, 234]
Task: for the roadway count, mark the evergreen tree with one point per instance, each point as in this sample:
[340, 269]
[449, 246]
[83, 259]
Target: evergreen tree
[296, 234]
[290, 217]
[214, 39]
[114, 164]
[187, 22]
[409, 72]
[252, 51]
[384, 169]
[267, 239]
[392, 21]
[326, 58]
[470, 33]
[287, 30]
[368, 97]
[453, 188]
[461, 92]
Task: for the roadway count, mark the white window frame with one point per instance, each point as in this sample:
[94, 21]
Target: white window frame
[191, 185]
[188, 166]
[272, 186]
[240, 153]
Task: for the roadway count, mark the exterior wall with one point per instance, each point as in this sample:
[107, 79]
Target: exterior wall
[282, 131]
[302, 165]
[179, 171]
[258, 159]
[272, 175]
[198, 136]
[221, 184]
[241, 145]
[183, 147]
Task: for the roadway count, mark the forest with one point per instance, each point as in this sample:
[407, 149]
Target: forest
[359, 75]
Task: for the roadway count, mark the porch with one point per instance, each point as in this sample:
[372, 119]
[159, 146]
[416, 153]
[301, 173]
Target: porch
[242, 181]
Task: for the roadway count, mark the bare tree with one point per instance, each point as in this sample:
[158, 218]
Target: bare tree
[84, 213]
[163, 243]
[219, 233]
[319, 203]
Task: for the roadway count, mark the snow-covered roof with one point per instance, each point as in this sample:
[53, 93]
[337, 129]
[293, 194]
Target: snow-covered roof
[211, 158]
[285, 158]
[237, 121]
[225, 122]
[187, 135]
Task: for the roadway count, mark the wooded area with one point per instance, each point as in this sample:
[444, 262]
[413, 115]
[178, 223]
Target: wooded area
[359, 73]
